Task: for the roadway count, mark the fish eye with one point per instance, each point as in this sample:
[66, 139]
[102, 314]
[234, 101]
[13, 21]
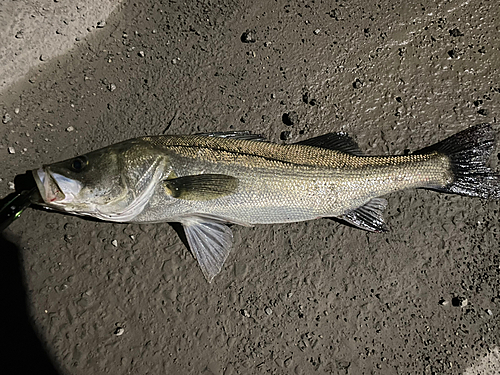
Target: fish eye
[79, 163]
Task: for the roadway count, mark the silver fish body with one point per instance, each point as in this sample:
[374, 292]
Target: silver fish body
[283, 183]
[206, 181]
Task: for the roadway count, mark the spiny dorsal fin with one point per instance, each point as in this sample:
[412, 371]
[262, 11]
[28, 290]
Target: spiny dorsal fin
[201, 187]
[243, 135]
[334, 141]
[210, 241]
[369, 216]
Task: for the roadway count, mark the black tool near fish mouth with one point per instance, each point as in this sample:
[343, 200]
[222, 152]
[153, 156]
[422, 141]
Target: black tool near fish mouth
[12, 206]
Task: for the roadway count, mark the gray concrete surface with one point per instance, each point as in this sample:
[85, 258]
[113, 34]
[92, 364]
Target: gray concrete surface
[33, 32]
[396, 75]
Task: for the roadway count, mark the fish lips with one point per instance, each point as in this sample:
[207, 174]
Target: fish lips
[54, 188]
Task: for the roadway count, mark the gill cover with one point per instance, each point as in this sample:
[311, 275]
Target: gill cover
[114, 183]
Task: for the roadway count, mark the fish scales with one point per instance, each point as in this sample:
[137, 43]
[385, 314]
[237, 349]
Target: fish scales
[287, 183]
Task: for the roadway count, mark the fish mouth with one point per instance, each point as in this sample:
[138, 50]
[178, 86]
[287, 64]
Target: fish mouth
[55, 189]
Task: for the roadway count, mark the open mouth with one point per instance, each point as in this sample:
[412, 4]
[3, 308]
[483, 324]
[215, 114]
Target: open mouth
[48, 187]
[55, 188]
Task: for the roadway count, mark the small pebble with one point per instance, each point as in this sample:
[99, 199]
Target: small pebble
[268, 310]
[285, 135]
[11, 150]
[443, 302]
[459, 301]
[489, 312]
[248, 36]
[19, 34]
[357, 83]
[317, 31]
[6, 118]
[16, 110]
[111, 87]
[141, 53]
[245, 313]
[119, 331]
[70, 129]
[456, 33]
[12, 186]
[101, 24]
[114, 243]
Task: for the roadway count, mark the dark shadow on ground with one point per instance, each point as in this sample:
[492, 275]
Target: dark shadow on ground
[20, 348]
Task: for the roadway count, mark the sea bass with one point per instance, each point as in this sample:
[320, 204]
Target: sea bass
[206, 181]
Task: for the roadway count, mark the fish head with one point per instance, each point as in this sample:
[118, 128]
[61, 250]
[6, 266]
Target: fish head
[113, 183]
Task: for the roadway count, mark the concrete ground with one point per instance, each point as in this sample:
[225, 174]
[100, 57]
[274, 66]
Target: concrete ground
[35, 32]
[84, 297]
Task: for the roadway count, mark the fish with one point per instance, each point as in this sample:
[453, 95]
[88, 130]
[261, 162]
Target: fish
[209, 181]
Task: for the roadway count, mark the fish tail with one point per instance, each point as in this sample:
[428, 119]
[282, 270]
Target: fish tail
[469, 152]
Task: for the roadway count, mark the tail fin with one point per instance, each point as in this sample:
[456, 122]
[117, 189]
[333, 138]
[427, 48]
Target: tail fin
[469, 152]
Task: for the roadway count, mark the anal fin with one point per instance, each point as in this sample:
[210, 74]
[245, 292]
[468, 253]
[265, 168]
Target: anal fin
[369, 216]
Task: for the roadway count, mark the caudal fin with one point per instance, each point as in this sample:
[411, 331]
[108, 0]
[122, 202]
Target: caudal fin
[469, 151]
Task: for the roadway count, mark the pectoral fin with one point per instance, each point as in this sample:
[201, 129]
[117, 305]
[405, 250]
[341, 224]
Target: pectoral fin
[201, 187]
[210, 241]
[369, 216]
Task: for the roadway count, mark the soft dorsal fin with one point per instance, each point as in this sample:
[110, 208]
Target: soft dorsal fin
[201, 187]
[369, 216]
[210, 241]
[243, 134]
[334, 141]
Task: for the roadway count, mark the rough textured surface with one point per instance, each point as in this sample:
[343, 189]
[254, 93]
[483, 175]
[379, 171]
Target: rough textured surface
[35, 31]
[313, 297]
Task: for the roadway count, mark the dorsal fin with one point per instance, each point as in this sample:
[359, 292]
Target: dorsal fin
[334, 141]
[243, 134]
